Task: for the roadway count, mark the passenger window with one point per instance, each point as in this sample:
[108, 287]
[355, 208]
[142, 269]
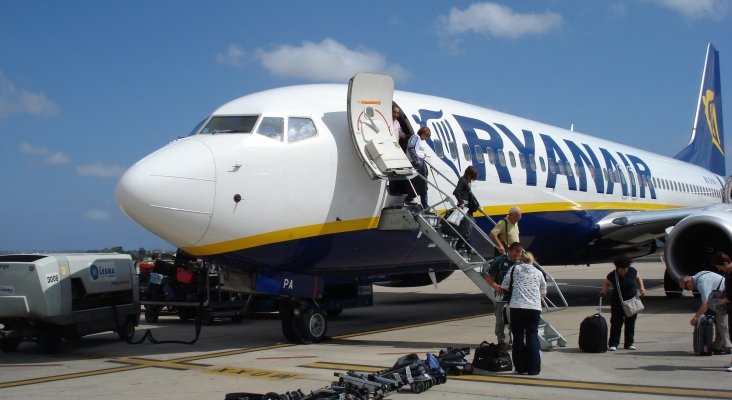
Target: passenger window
[541, 162]
[272, 127]
[522, 160]
[501, 158]
[439, 150]
[532, 163]
[512, 159]
[230, 124]
[491, 155]
[479, 154]
[552, 166]
[300, 128]
[466, 152]
[453, 150]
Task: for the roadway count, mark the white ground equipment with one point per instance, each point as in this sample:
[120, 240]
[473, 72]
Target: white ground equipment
[49, 297]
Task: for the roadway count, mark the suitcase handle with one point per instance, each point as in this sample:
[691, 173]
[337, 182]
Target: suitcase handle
[599, 307]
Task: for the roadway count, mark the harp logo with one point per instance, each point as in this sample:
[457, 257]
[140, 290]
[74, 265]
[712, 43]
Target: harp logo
[710, 112]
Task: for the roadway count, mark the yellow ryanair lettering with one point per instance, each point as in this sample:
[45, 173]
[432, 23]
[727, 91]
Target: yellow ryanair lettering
[710, 112]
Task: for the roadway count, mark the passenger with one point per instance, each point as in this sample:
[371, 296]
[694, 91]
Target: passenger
[399, 130]
[416, 152]
[528, 287]
[705, 282]
[506, 230]
[629, 283]
[723, 263]
[465, 198]
[495, 276]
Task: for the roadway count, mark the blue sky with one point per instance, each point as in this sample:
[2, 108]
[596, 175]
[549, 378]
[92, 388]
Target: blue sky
[89, 87]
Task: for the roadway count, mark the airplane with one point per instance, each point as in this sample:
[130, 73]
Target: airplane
[285, 189]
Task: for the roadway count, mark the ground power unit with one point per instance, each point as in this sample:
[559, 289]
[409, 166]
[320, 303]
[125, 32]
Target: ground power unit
[50, 297]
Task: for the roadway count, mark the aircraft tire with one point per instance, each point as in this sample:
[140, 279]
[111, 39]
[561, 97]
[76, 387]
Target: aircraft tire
[314, 325]
[671, 288]
[288, 327]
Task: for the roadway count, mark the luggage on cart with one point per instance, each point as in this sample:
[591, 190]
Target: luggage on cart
[704, 335]
[491, 357]
[593, 333]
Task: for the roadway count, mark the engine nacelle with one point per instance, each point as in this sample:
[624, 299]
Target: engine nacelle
[694, 239]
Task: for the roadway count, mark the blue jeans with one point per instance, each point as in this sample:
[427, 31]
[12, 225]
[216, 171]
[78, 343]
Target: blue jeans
[526, 348]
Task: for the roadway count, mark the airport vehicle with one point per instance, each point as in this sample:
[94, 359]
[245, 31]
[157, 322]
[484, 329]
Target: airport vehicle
[287, 191]
[50, 297]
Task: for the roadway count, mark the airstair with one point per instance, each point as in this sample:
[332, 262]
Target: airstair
[469, 261]
[369, 103]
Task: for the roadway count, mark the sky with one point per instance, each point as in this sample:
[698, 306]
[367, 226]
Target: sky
[89, 87]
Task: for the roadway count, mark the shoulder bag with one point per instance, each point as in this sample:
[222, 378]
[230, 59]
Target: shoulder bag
[632, 306]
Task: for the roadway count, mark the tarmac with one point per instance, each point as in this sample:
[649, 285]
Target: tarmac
[252, 356]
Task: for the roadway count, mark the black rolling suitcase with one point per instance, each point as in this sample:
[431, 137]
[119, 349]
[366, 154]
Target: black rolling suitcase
[593, 333]
[704, 335]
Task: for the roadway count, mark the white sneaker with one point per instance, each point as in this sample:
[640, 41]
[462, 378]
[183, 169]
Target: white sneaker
[612, 348]
[729, 369]
[728, 365]
[631, 347]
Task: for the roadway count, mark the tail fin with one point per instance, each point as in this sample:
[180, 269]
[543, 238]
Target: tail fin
[706, 148]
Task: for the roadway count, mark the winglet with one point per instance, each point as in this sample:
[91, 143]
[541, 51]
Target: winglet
[706, 147]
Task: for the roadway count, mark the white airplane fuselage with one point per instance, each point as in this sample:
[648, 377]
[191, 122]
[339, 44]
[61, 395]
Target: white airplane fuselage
[251, 201]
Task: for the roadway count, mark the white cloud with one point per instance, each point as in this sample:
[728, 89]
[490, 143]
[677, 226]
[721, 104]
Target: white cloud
[15, 100]
[47, 156]
[234, 56]
[499, 21]
[697, 9]
[327, 61]
[96, 215]
[100, 170]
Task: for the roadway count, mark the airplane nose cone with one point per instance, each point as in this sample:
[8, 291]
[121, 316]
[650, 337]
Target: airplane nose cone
[171, 192]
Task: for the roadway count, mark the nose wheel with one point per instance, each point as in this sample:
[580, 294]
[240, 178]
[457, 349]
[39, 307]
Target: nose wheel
[303, 325]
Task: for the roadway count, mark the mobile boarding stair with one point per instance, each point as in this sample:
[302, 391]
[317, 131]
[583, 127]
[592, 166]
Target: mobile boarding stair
[472, 265]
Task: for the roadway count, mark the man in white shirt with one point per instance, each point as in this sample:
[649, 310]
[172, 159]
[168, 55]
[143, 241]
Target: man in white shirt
[396, 129]
[705, 282]
[416, 152]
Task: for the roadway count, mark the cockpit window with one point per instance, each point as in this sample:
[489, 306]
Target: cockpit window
[230, 124]
[198, 126]
[272, 127]
[300, 128]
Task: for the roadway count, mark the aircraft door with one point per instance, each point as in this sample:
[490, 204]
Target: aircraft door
[727, 190]
[370, 125]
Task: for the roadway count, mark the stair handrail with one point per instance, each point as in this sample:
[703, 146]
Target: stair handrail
[545, 300]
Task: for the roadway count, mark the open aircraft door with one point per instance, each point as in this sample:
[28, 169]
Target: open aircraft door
[370, 124]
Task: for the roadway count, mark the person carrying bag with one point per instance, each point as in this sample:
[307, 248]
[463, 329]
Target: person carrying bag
[626, 283]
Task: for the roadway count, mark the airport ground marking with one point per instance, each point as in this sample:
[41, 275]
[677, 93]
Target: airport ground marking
[552, 383]
[46, 379]
[416, 325]
[182, 363]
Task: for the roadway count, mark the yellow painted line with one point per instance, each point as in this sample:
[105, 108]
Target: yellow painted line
[552, 383]
[301, 232]
[254, 373]
[227, 353]
[343, 367]
[55, 378]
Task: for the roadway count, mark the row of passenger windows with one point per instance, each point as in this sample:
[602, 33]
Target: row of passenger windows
[566, 168]
[272, 127]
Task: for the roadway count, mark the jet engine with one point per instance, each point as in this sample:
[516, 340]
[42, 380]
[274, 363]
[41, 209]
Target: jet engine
[692, 242]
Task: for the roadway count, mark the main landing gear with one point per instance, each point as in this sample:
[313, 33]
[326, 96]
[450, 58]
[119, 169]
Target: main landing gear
[303, 323]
